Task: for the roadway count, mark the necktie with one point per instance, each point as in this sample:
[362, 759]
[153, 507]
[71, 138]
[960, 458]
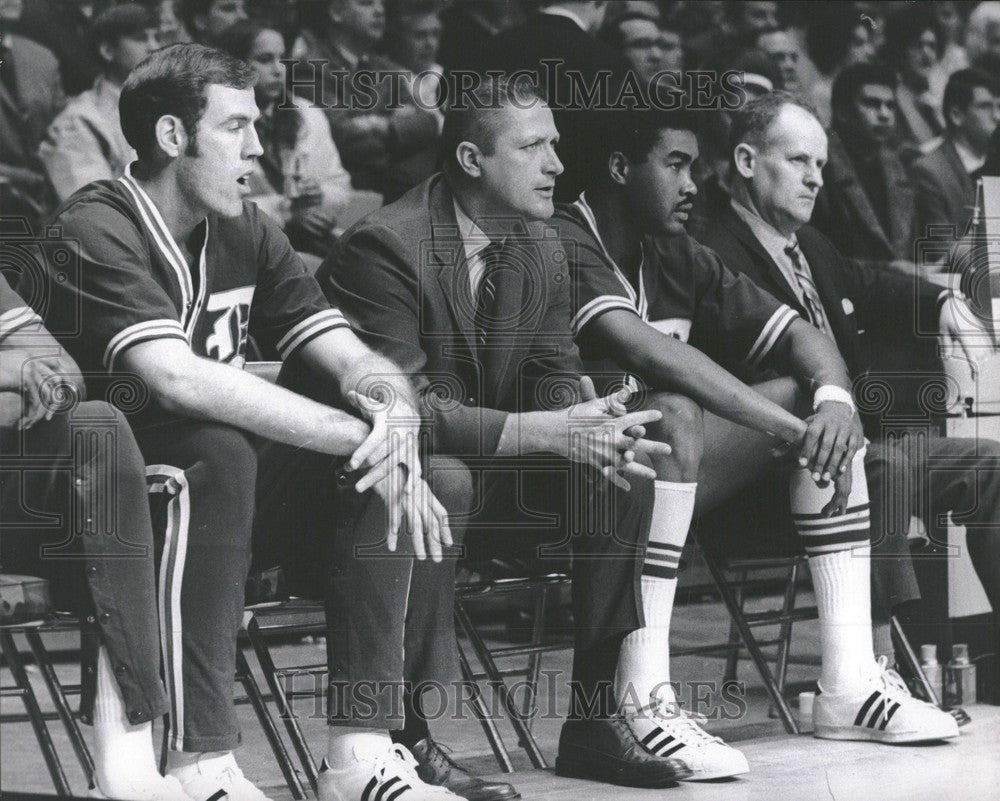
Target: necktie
[491, 257]
[812, 302]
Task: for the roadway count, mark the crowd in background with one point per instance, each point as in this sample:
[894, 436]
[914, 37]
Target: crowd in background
[909, 93]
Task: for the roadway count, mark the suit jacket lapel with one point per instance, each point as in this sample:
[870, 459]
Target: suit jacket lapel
[509, 302]
[777, 283]
[446, 262]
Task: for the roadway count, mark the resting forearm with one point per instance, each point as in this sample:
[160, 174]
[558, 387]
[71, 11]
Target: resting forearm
[811, 357]
[678, 367]
[530, 432]
[211, 391]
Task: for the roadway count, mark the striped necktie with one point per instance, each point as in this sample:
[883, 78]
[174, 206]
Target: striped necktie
[812, 302]
[491, 257]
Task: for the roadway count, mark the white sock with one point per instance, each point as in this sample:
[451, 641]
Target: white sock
[342, 740]
[123, 752]
[644, 659]
[841, 581]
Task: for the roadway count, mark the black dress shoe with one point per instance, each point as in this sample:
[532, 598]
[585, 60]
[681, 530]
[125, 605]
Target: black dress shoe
[434, 766]
[607, 751]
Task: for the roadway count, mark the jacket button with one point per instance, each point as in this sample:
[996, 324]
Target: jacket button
[342, 479]
[135, 715]
[92, 570]
[104, 617]
[121, 670]
[470, 401]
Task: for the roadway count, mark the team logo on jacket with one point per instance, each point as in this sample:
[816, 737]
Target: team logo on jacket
[229, 316]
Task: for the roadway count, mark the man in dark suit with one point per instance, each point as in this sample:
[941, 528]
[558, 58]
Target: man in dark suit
[562, 33]
[461, 285]
[779, 149]
[945, 179]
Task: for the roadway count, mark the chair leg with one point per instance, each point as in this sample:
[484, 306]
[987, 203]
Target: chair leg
[61, 703]
[733, 654]
[495, 678]
[252, 689]
[535, 660]
[759, 660]
[267, 665]
[489, 725]
[30, 701]
[906, 649]
[785, 638]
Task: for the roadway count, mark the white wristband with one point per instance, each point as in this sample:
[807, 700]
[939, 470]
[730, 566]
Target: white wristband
[831, 392]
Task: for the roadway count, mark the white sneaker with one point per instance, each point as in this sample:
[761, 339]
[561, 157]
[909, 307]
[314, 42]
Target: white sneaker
[210, 779]
[883, 712]
[167, 788]
[667, 730]
[379, 773]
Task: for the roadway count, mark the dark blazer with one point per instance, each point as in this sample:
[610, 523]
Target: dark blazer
[946, 194]
[547, 36]
[847, 216]
[858, 301]
[400, 276]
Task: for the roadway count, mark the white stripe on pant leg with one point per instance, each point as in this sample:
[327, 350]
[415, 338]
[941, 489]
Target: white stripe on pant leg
[171, 480]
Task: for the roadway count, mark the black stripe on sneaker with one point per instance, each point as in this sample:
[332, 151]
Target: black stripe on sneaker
[659, 745]
[218, 794]
[876, 713]
[397, 792]
[380, 795]
[888, 715]
[860, 719]
[671, 751]
[649, 738]
[367, 792]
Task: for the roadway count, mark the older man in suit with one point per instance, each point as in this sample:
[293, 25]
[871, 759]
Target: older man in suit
[460, 284]
[945, 179]
[779, 149]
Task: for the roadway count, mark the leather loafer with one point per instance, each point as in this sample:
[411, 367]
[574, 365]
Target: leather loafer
[607, 751]
[434, 766]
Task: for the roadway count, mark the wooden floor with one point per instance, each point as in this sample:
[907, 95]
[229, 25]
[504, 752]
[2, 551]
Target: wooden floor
[782, 767]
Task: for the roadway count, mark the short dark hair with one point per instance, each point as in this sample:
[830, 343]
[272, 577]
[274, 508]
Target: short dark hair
[116, 22]
[611, 31]
[962, 85]
[852, 78]
[172, 81]
[905, 26]
[830, 30]
[475, 118]
[751, 123]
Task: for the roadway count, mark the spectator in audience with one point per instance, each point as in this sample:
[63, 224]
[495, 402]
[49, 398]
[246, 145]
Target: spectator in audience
[468, 26]
[757, 73]
[440, 281]
[31, 95]
[207, 20]
[172, 262]
[866, 204]
[85, 142]
[779, 149]
[912, 48]
[945, 179]
[412, 37]
[836, 36]
[298, 179]
[649, 47]
[566, 32]
[782, 45]
[59, 451]
[951, 29]
[388, 147]
[992, 165]
[982, 33]
[172, 29]
[61, 26]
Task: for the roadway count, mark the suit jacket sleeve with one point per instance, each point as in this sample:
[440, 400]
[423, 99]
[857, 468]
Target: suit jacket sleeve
[372, 277]
[931, 201]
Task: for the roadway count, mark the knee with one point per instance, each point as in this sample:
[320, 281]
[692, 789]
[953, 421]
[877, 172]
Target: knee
[228, 465]
[451, 481]
[682, 426]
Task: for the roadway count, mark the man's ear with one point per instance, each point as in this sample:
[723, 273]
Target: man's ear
[618, 167]
[106, 52]
[469, 158]
[955, 116]
[171, 136]
[745, 157]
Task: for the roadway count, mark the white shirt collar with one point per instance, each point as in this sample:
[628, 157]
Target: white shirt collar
[969, 160]
[559, 11]
[474, 241]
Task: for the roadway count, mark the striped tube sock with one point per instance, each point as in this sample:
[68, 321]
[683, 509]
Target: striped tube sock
[644, 659]
[839, 560]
